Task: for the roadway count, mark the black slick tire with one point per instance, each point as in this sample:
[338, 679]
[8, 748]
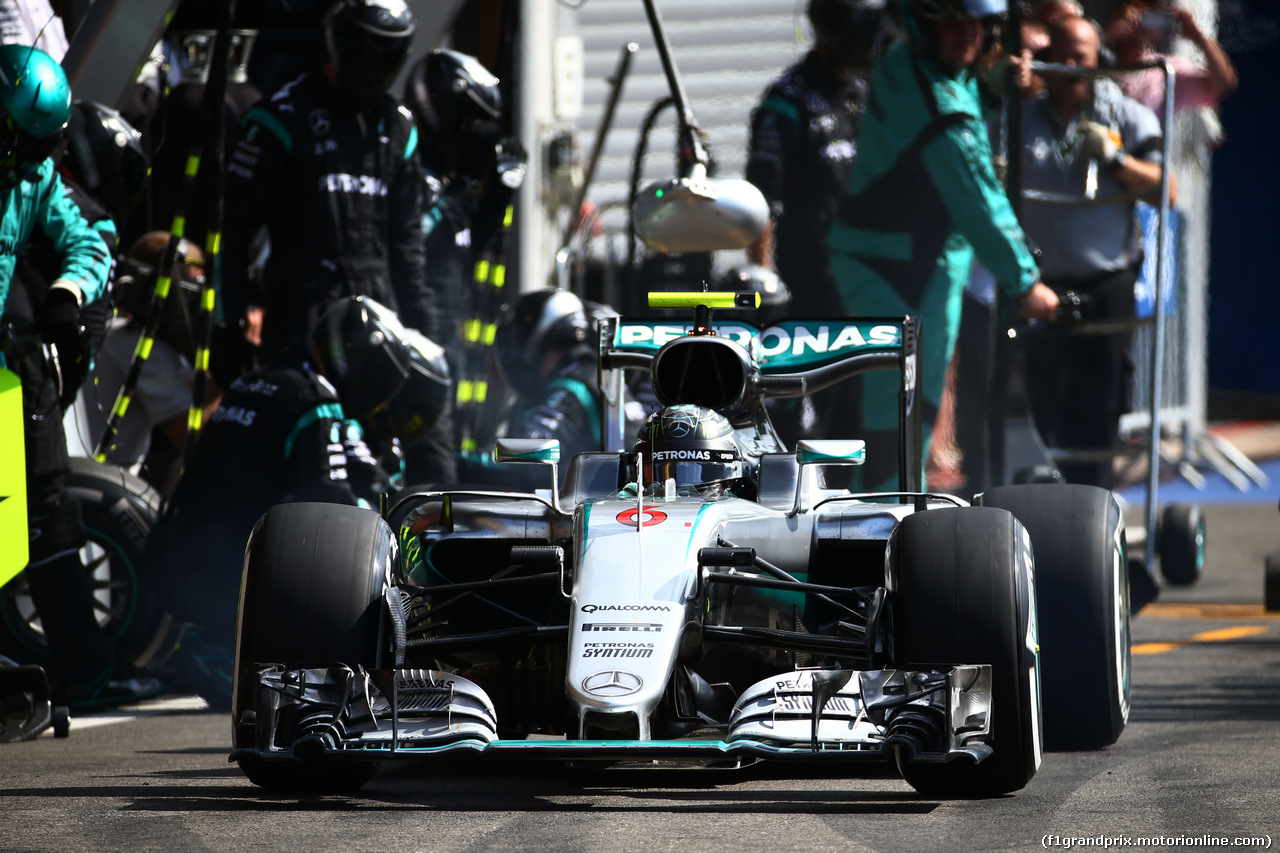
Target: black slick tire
[1082, 586]
[961, 594]
[120, 511]
[312, 592]
[1181, 543]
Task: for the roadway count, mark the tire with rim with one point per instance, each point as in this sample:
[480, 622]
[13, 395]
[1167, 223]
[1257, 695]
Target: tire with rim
[120, 511]
[961, 593]
[1181, 543]
[1271, 582]
[312, 592]
[1082, 585]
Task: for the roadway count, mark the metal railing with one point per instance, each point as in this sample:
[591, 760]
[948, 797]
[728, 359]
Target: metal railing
[1162, 393]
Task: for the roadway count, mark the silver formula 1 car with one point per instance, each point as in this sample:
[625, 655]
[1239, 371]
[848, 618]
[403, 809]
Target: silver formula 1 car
[651, 612]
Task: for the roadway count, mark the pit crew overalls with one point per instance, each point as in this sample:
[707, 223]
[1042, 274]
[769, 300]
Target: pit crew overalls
[446, 226]
[922, 198]
[566, 408]
[340, 193]
[801, 149]
[279, 435]
[56, 577]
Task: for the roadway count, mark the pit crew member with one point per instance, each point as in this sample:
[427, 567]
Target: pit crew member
[545, 353]
[41, 324]
[329, 165]
[292, 430]
[803, 140]
[458, 108]
[922, 199]
[1080, 385]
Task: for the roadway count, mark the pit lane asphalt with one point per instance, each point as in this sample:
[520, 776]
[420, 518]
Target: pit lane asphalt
[1199, 757]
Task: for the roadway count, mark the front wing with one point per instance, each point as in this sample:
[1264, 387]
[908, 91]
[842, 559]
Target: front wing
[341, 713]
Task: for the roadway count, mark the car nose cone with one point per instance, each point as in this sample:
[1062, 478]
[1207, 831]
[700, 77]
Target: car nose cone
[610, 683]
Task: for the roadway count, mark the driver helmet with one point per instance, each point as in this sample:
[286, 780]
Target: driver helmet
[105, 157]
[35, 106]
[853, 30]
[393, 379]
[692, 445]
[457, 103]
[368, 41]
[535, 324]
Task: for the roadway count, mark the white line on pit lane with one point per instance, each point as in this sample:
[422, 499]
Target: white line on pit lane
[150, 708]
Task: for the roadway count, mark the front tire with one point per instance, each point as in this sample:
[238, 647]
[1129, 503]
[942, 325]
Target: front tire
[1082, 585]
[962, 594]
[312, 591]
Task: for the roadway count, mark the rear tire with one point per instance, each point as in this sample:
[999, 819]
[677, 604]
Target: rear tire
[312, 592]
[962, 594]
[1082, 585]
[120, 510]
[1181, 544]
[1271, 582]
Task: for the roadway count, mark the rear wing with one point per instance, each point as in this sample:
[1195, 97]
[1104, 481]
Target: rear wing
[793, 358]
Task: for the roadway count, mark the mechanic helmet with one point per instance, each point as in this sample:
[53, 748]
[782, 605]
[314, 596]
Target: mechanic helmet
[537, 323]
[105, 157]
[456, 102]
[35, 105]
[368, 41]
[692, 445]
[852, 30]
[955, 10]
[991, 12]
[393, 379]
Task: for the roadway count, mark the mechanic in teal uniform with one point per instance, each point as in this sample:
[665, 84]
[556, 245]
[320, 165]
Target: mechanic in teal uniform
[923, 198]
[39, 323]
[801, 148]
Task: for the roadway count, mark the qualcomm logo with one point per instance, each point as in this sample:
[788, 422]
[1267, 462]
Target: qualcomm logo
[612, 683]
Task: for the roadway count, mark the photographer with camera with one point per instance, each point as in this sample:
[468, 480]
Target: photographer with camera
[1080, 385]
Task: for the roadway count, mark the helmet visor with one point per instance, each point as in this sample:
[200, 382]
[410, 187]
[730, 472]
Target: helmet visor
[24, 148]
[367, 63]
[416, 404]
[695, 467]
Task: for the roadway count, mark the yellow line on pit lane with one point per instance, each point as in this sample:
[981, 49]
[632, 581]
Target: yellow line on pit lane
[1216, 636]
[1173, 610]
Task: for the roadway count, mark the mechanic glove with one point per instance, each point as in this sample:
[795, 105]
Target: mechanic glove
[60, 320]
[1101, 143]
[60, 326]
[511, 163]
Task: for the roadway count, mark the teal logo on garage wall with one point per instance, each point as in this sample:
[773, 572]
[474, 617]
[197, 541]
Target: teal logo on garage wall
[780, 348]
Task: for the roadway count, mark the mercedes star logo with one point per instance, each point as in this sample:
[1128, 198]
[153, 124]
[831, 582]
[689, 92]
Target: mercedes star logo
[680, 422]
[612, 683]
